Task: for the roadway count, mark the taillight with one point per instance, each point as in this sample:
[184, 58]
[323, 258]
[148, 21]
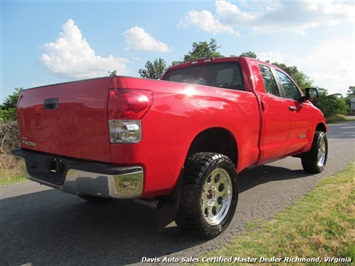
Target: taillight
[126, 108]
[128, 103]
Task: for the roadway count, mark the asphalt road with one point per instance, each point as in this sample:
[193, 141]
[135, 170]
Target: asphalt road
[43, 226]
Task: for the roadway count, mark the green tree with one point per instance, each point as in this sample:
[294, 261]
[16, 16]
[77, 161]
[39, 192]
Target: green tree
[201, 50]
[153, 70]
[249, 54]
[8, 110]
[351, 91]
[112, 73]
[302, 80]
[331, 105]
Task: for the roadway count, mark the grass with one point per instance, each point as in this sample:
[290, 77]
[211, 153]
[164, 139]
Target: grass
[320, 225]
[9, 171]
[338, 119]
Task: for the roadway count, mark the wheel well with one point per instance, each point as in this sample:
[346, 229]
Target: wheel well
[321, 127]
[218, 140]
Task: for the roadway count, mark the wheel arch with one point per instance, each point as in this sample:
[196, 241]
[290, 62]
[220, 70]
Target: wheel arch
[217, 140]
[321, 127]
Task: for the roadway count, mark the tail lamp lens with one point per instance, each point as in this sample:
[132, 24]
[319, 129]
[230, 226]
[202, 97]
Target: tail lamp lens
[129, 103]
[126, 108]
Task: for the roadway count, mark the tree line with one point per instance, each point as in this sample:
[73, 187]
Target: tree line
[331, 105]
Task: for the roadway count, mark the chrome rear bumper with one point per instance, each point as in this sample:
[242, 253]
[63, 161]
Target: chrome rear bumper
[81, 177]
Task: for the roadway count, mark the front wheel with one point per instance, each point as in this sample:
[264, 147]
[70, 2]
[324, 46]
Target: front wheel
[315, 160]
[209, 195]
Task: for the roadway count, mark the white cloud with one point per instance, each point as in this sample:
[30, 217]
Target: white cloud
[272, 56]
[71, 56]
[330, 65]
[206, 21]
[139, 39]
[269, 16]
[300, 16]
[230, 13]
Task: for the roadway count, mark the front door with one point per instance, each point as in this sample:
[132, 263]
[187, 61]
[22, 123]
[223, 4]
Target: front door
[300, 120]
[275, 118]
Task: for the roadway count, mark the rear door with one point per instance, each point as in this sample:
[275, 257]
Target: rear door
[68, 119]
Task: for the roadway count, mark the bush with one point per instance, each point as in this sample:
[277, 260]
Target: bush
[331, 105]
[9, 140]
[8, 115]
[9, 137]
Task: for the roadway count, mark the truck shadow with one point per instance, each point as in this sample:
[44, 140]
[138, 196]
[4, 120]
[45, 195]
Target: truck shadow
[267, 173]
[53, 228]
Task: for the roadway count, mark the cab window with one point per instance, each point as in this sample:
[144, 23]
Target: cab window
[223, 75]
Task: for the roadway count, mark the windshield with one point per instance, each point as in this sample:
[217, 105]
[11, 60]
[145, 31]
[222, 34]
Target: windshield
[223, 75]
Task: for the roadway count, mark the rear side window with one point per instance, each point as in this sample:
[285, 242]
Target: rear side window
[222, 75]
[269, 80]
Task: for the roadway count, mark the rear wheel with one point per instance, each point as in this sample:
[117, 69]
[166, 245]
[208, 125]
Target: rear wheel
[209, 194]
[315, 160]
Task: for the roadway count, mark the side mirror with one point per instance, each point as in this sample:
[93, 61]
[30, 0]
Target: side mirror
[311, 95]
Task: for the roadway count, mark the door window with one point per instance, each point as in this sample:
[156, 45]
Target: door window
[290, 88]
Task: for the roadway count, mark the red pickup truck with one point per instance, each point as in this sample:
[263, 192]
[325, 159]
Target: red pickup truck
[182, 139]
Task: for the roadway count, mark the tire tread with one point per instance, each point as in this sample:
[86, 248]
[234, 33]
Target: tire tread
[188, 217]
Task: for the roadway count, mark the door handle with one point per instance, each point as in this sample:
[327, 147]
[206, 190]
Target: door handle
[292, 108]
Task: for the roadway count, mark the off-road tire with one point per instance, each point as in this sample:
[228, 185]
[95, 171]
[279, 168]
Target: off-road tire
[315, 160]
[209, 195]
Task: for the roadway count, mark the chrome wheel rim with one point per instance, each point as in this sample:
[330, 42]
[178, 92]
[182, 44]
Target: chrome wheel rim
[216, 196]
[322, 151]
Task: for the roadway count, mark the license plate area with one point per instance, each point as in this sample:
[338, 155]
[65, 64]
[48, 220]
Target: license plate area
[46, 168]
[56, 166]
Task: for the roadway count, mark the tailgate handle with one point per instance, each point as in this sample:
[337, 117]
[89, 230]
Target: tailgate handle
[51, 104]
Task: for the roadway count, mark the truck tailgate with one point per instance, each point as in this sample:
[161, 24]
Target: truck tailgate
[68, 119]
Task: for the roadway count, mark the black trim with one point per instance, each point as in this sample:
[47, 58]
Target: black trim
[51, 104]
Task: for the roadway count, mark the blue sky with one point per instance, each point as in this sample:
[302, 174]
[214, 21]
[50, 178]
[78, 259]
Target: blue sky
[49, 42]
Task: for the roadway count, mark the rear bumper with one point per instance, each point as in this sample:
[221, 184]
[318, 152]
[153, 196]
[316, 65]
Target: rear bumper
[81, 177]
